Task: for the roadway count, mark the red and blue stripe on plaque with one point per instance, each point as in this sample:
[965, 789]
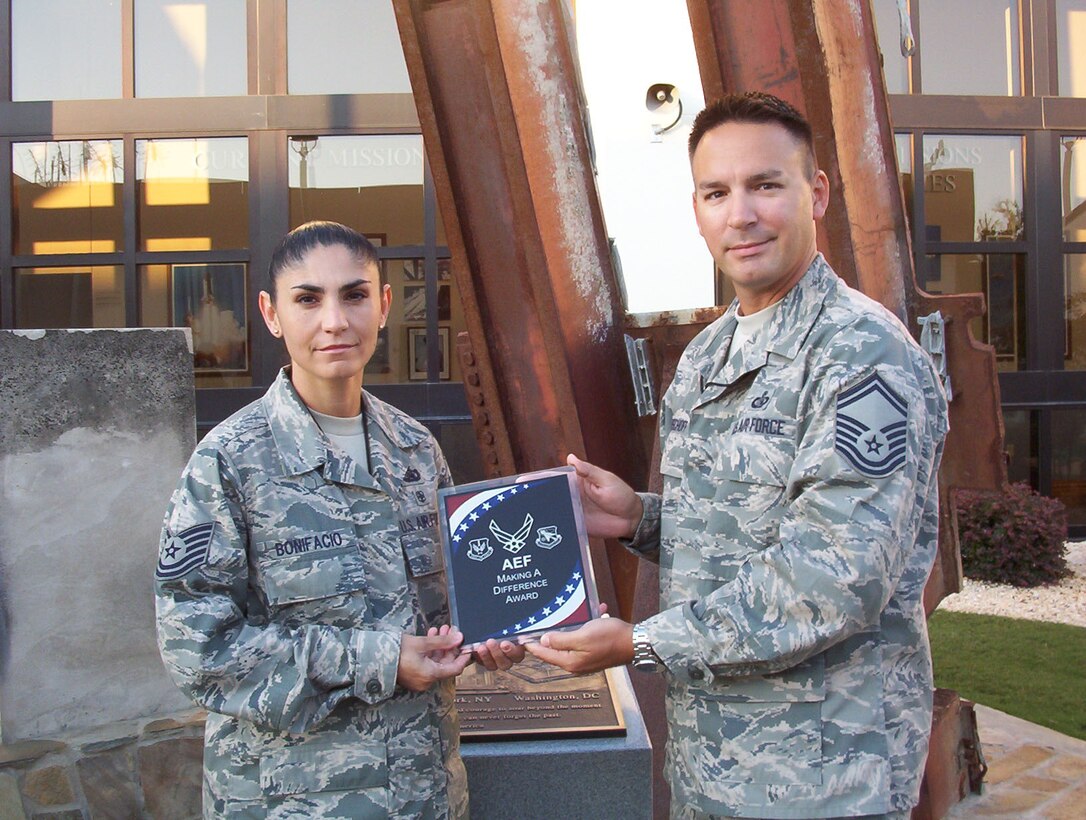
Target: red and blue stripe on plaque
[516, 559]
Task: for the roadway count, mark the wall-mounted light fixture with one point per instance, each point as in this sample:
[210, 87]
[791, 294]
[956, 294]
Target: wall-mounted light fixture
[666, 107]
[303, 147]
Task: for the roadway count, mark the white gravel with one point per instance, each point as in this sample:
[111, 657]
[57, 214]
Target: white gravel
[1060, 603]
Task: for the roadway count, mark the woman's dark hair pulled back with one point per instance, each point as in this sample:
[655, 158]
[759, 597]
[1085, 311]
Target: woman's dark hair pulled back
[296, 245]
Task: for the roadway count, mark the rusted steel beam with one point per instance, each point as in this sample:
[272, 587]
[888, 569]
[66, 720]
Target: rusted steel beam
[499, 102]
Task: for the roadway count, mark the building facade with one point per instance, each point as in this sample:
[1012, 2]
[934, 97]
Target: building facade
[152, 153]
[990, 116]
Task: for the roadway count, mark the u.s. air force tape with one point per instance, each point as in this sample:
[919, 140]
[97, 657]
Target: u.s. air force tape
[183, 552]
[871, 422]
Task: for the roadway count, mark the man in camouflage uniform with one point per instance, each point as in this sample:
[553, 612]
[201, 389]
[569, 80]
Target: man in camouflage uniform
[288, 578]
[800, 441]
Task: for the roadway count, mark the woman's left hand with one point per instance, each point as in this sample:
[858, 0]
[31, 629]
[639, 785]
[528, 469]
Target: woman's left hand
[495, 655]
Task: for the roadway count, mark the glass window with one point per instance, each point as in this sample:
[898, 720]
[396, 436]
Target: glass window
[1020, 444]
[1074, 355]
[372, 183]
[190, 49]
[1071, 47]
[1073, 200]
[213, 301]
[344, 47]
[65, 49]
[970, 47]
[973, 188]
[461, 450]
[895, 66]
[67, 197]
[1001, 278]
[193, 194]
[1069, 463]
[85, 296]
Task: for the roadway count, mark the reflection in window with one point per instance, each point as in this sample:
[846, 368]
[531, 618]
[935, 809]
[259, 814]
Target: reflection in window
[973, 188]
[903, 147]
[1073, 186]
[1020, 444]
[211, 300]
[193, 194]
[85, 296]
[970, 47]
[1071, 47]
[1069, 463]
[1074, 354]
[344, 47]
[191, 49]
[895, 66]
[372, 183]
[403, 344]
[65, 50]
[67, 197]
[1001, 278]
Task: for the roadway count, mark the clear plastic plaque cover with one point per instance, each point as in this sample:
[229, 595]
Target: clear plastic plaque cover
[516, 556]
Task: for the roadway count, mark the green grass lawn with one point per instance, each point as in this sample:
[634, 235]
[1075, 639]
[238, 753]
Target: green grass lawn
[1029, 669]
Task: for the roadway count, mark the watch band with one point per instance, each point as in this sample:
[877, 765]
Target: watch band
[645, 658]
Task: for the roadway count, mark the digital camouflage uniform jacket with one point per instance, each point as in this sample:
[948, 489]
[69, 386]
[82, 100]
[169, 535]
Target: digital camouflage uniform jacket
[795, 533]
[287, 575]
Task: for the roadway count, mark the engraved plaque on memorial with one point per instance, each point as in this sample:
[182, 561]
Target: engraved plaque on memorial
[516, 556]
[536, 700]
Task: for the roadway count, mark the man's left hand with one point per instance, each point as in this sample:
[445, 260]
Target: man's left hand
[599, 644]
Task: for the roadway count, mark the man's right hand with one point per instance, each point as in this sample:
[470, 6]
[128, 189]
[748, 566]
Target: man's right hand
[611, 507]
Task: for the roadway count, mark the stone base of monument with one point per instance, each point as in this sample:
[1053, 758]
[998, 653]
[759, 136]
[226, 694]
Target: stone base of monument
[565, 777]
[153, 768]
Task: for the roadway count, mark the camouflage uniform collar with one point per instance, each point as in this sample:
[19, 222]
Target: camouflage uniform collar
[298, 438]
[785, 332]
[794, 319]
[390, 423]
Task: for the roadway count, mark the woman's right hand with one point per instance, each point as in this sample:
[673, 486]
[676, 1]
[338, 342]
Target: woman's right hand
[426, 660]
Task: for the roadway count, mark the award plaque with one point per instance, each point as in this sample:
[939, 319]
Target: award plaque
[516, 556]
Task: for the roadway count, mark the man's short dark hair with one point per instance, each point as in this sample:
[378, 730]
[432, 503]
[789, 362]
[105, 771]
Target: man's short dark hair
[296, 245]
[752, 107]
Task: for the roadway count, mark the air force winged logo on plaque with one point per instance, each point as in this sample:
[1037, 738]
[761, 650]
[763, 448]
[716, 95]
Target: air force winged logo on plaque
[514, 542]
[871, 421]
[479, 549]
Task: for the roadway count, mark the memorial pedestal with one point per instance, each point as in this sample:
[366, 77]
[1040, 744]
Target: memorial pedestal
[565, 777]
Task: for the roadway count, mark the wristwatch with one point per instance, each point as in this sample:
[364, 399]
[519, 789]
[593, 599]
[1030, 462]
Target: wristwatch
[645, 658]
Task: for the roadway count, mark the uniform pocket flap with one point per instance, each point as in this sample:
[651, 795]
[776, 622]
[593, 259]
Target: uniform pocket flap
[423, 554]
[340, 765]
[804, 683]
[307, 569]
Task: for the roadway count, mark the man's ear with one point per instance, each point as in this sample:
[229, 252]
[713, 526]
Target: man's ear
[820, 190]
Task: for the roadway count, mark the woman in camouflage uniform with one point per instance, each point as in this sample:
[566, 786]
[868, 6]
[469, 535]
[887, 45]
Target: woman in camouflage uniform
[300, 589]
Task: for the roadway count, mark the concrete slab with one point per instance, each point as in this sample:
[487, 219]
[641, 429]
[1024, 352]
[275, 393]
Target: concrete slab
[95, 428]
